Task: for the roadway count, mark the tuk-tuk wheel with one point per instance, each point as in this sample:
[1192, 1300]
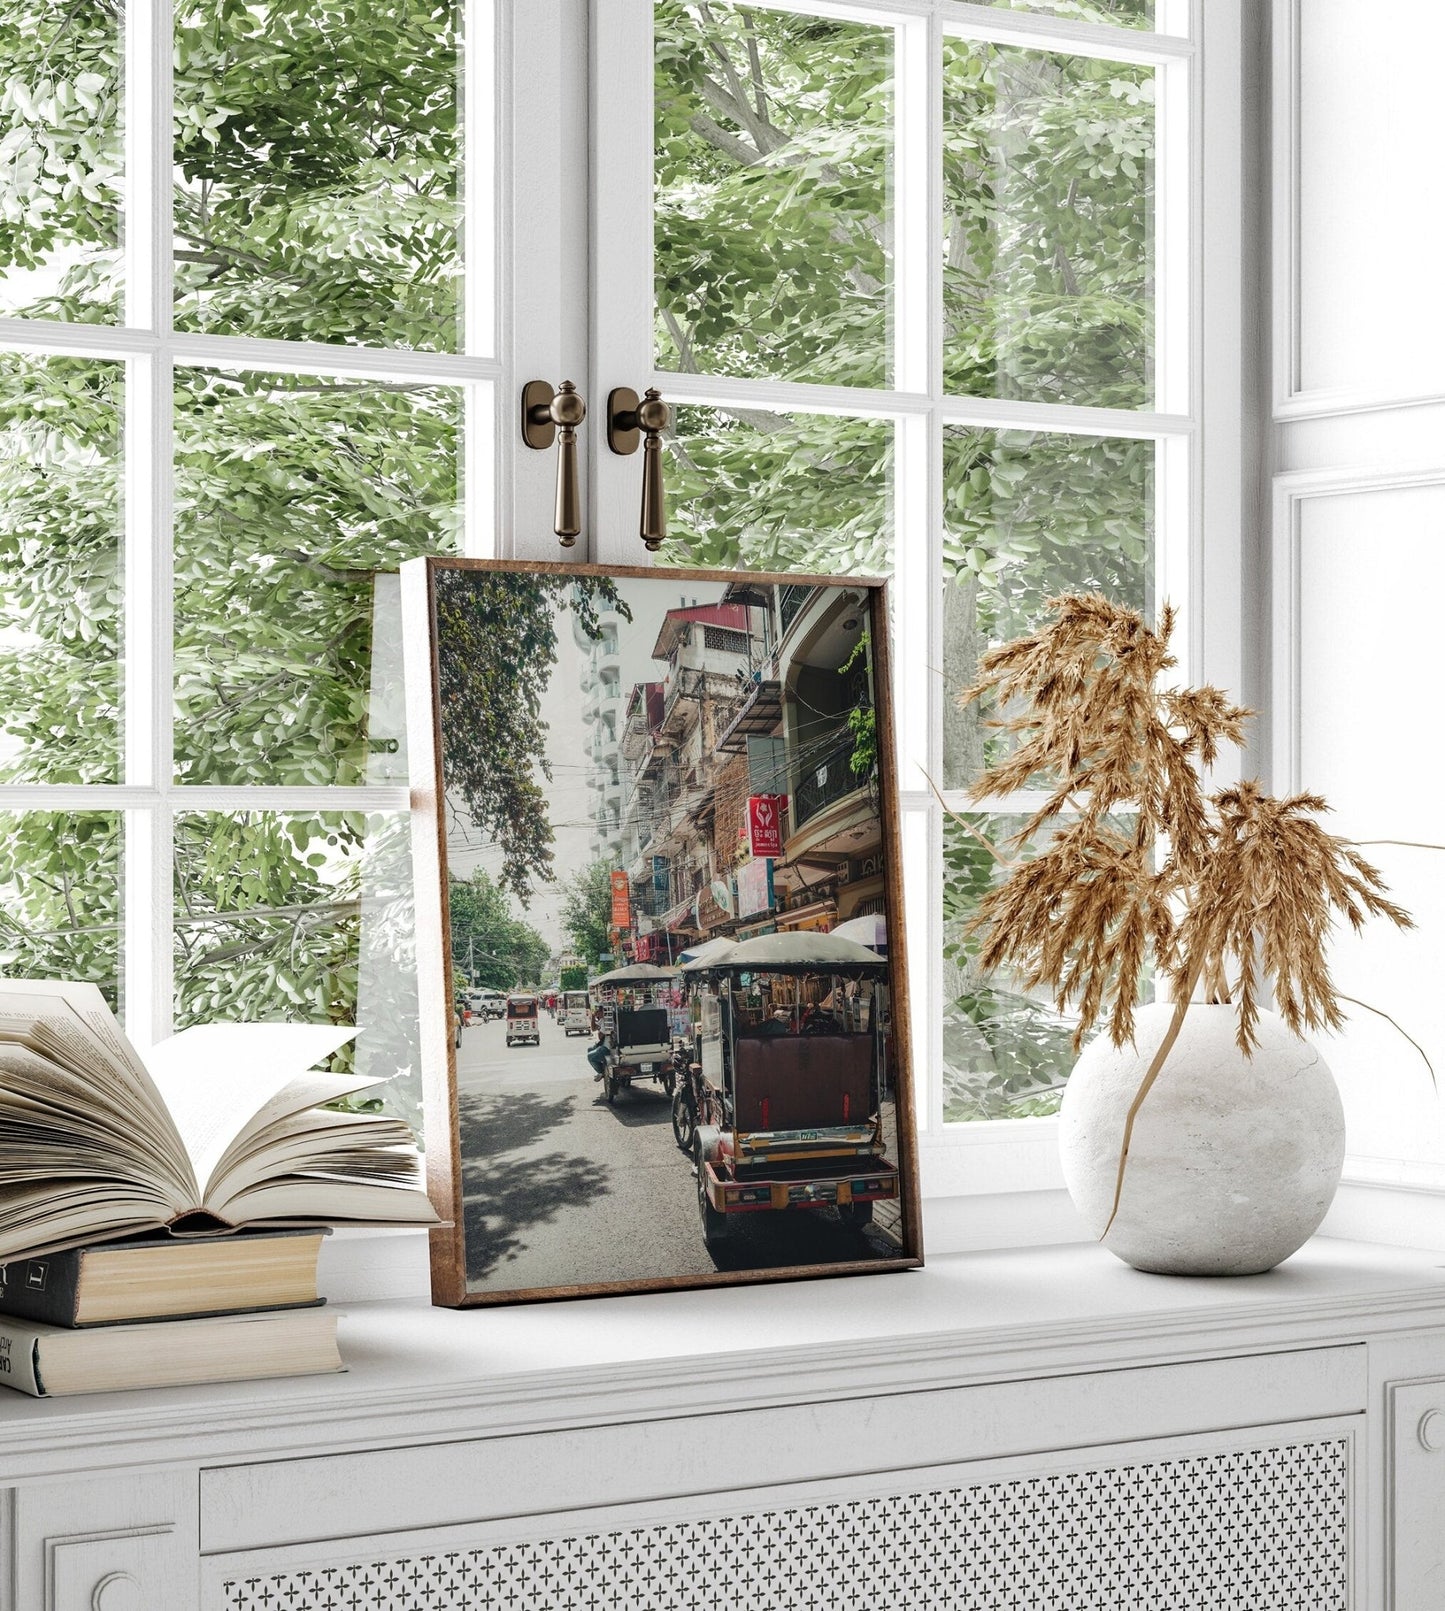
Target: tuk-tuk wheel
[669, 1082]
[856, 1215]
[609, 1087]
[681, 1121]
[716, 1231]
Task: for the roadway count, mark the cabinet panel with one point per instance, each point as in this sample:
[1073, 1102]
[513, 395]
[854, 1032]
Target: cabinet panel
[1173, 1525]
[1416, 1494]
[386, 1490]
[125, 1542]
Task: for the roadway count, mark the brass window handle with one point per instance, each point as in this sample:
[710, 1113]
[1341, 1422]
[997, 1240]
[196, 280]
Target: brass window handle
[629, 420]
[544, 413]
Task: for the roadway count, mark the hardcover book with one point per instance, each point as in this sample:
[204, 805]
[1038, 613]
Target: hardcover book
[218, 1127]
[160, 1277]
[50, 1361]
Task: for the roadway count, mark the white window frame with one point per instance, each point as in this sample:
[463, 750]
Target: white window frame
[1201, 513]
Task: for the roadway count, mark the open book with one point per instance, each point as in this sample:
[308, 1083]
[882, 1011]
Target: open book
[218, 1128]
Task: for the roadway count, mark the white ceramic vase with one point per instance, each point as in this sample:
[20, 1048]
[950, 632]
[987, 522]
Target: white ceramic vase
[1234, 1159]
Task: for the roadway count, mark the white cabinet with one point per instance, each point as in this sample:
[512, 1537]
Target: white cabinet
[1261, 1520]
[1038, 1430]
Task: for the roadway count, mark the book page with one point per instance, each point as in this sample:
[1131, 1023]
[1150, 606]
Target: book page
[292, 1103]
[215, 1078]
[36, 1087]
[78, 1010]
[72, 1023]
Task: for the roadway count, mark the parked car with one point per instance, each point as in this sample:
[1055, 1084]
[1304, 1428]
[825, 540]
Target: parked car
[522, 1027]
[487, 1003]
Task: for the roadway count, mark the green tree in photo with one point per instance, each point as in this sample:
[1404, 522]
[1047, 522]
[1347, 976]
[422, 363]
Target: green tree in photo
[587, 912]
[496, 648]
[491, 947]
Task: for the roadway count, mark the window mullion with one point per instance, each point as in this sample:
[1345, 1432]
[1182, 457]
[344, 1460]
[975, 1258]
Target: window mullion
[146, 649]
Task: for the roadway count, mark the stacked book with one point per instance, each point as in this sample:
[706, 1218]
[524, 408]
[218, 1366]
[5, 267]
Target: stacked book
[156, 1311]
[161, 1219]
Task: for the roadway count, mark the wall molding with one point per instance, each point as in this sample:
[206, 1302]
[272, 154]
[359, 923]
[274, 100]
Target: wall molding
[1291, 491]
[1290, 399]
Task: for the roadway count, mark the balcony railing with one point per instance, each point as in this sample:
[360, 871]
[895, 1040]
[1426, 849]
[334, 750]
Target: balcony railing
[790, 600]
[825, 782]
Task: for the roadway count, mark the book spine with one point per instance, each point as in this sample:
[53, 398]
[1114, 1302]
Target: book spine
[45, 1289]
[20, 1359]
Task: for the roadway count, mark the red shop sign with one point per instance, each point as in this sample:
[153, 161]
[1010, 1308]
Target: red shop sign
[765, 824]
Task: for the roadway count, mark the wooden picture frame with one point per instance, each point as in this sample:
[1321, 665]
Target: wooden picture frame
[627, 724]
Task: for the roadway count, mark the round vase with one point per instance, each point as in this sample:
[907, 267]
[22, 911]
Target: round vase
[1234, 1160]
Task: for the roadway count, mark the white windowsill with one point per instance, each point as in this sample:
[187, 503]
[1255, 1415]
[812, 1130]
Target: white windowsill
[418, 1374]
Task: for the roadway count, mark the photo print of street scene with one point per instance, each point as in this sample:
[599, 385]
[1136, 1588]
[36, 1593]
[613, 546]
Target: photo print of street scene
[667, 883]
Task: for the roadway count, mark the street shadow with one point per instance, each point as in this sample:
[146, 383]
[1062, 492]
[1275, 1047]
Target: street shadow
[641, 1107]
[507, 1187]
[799, 1237]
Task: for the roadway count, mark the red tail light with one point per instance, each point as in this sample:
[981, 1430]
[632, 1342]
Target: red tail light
[845, 1107]
[766, 1105]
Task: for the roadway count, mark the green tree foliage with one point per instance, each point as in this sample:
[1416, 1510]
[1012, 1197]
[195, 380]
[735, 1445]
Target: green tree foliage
[59, 896]
[497, 645]
[490, 946]
[587, 911]
[774, 165]
[318, 196]
[60, 153]
[1005, 1054]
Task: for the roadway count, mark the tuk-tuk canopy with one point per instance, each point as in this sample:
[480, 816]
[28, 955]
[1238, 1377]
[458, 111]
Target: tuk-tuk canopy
[698, 956]
[794, 953]
[634, 973]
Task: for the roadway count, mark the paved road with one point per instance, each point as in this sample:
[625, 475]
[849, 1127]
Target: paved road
[562, 1190]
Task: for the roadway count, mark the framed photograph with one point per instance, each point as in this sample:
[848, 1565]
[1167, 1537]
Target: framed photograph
[659, 929]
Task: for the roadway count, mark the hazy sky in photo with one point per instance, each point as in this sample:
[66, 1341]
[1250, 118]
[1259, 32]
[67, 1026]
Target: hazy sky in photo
[568, 741]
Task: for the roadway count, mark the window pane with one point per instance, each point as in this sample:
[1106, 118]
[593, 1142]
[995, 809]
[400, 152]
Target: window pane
[292, 493]
[60, 897]
[780, 492]
[60, 546]
[60, 160]
[1006, 1052]
[300, 918]
[774, 151]
[1115, 13]
[318, 182]
[1028, 516]
[1048, 239]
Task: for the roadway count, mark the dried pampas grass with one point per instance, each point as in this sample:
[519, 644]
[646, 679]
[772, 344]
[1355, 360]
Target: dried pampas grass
[1231, 893]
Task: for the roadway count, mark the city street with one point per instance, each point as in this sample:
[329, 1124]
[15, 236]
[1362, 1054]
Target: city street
[562, 1190]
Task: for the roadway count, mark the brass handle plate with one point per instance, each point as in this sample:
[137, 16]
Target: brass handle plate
[544, 413]
[634, 421]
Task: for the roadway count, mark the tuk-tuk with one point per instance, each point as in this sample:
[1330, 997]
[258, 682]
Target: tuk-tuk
[522, 1027]
[574, 1012]
[780, 1104]
[634, 1028]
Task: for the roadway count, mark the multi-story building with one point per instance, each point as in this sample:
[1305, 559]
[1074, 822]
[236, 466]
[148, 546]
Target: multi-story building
[602, 711]
[796, 726]
[681, 889]
[762, 695]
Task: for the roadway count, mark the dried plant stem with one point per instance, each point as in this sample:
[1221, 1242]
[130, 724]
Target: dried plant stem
[967, 826]
[1176, 1023]
[1379, 1012]
[1406, 844]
